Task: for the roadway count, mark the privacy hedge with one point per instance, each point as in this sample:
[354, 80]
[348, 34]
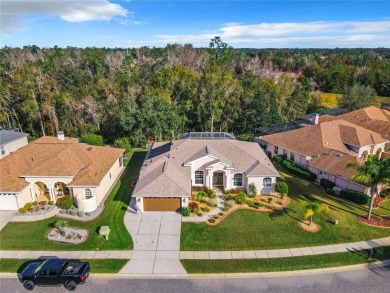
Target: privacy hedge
[325, 183]
[355, 196]
[296, 170]
[277, 159]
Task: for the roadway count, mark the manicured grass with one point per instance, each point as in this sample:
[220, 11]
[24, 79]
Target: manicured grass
[245, 230]
[97, 265]
[281, 264]
[31, 235]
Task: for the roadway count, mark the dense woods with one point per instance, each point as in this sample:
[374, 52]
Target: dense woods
[154, 93]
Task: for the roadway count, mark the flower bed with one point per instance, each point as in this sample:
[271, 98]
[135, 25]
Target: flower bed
[72, 235]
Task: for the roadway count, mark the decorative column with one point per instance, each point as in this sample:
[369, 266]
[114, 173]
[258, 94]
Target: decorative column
[32, 193]
[51, 191]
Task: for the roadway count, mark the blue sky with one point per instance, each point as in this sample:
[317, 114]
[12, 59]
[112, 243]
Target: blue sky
[259, 24]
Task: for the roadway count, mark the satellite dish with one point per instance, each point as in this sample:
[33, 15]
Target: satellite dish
[308, 158]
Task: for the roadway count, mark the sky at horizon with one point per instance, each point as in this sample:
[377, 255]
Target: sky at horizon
[241, 24]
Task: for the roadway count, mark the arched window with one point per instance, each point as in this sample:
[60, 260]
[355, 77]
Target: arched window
[198, 177]
[237, 180]
[88, 193]
[267, 181]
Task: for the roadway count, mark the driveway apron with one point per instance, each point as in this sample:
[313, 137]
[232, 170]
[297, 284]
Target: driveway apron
[156, 237]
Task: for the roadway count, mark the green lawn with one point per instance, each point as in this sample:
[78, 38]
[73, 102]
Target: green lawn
[246, 230]
[31, 235]
[281, 264]
[97, 265]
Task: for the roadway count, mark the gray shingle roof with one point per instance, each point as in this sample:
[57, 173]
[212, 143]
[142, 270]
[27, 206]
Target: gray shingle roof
[7, 136]
[164, 173]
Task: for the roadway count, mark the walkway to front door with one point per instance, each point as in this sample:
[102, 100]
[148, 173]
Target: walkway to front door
[156, 237]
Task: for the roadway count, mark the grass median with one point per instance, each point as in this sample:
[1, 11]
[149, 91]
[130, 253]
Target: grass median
[198, 266]
[97, 265]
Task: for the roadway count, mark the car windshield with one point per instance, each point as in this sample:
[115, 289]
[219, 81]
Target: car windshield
[38, 268]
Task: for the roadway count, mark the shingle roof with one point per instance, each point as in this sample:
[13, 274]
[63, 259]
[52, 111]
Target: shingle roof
[243, 156]
[49, 156]
[7, 136]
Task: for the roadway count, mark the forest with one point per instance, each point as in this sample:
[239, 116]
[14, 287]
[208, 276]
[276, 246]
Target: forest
[146, 94]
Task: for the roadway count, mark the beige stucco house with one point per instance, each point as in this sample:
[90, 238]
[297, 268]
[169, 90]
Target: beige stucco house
[327, 147]
[171, 169]
[11, 140]
[51, 167]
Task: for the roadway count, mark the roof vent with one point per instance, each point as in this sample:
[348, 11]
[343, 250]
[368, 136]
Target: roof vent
[60, 135]
[165, 167]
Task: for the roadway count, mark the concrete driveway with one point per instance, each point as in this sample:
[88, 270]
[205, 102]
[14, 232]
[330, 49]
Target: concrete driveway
[156, 237]
[5, 217]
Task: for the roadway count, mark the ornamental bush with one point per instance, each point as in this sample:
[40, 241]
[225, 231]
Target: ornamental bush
[28, 205]
[282, 188]
[35, 203]
[123, 143]
[252, 190]
[296, 170]
[192, 206]
[22, 210]
[92, 139]
[325, 183]
[185, 212]
[240, 198]
[66, 202]
[277, 159]
[355, 196]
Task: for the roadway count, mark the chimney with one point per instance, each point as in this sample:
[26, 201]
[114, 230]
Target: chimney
[60, 135]
[316, 118]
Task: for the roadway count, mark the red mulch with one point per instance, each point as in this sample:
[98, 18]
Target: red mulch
[376, 221]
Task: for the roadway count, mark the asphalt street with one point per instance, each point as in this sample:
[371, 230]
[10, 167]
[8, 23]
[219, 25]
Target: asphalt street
[376, 279]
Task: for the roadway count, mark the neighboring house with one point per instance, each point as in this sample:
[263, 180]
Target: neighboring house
[171, 169]
[11, 140]
[326, 148]
[50, 167]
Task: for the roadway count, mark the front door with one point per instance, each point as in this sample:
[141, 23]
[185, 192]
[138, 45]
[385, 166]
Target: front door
[218, 179]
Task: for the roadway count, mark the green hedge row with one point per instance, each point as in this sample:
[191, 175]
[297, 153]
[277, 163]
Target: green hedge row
[296, 170]
[326, 183]
[355, 196]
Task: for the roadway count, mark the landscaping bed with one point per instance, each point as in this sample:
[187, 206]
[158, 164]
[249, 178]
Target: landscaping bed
[377, 221]
[233, 266]
[70, 235]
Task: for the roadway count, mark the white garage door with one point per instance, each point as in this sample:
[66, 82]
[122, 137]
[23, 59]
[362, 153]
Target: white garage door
[8, 202]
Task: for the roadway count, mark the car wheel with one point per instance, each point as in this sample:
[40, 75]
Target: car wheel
[29, 285]
[70, 286]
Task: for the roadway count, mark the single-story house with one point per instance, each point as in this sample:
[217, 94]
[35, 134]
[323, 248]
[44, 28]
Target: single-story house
[11, 139]
[51, 167]
[171, 168]
[327, 147]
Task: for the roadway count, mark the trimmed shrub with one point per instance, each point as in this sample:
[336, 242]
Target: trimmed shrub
[22, 210]
[277, 159]
[28, 205]
[73, 212]
[252, 190]
[92, 139]
[221, 213]
[206, 209]
[385, 193]
[270, 199]
[326, 183]
[66, 202]
[80, 214]
[192, 206]
[44, 202]
[227, 196]
[62, 211]
[355, 196]
[213, 195]
[201, 195]
[234, 190]
[240, 198]
[209, 191]
[282, 188]
[212, 220]
[51, 203]
[35, 203]
[199, 214]
[123, 143]
[296, 170]
[216, 217]
[185, 212]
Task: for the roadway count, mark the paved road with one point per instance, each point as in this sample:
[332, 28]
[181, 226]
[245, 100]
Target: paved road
[374, 279]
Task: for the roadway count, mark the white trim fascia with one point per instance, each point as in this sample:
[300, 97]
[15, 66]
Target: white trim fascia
[72, 186]
[42, 176]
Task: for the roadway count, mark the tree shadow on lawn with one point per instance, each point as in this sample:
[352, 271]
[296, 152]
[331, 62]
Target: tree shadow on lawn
[131, 172]
[284, 212]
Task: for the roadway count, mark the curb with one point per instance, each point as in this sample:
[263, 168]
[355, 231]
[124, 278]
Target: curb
[229, 276]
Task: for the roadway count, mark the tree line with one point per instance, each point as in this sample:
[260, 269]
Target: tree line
[149, 94]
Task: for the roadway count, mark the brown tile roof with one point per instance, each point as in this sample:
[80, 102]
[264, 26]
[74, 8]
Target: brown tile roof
[49, 156]
[243, 156]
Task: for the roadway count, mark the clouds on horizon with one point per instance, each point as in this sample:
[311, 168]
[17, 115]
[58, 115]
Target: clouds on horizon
[13, 11]
[304, 34]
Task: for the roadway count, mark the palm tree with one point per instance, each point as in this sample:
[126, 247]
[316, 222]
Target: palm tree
[314, 208]
[372, 172]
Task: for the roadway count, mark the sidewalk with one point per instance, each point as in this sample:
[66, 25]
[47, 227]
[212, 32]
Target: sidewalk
[246, 254]
[291, 252]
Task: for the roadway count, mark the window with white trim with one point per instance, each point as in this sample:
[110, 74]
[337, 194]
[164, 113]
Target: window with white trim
[267, 182]
[237, 180]
[292, 156]
[2, 150]
[88, 193]
[199, 177]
